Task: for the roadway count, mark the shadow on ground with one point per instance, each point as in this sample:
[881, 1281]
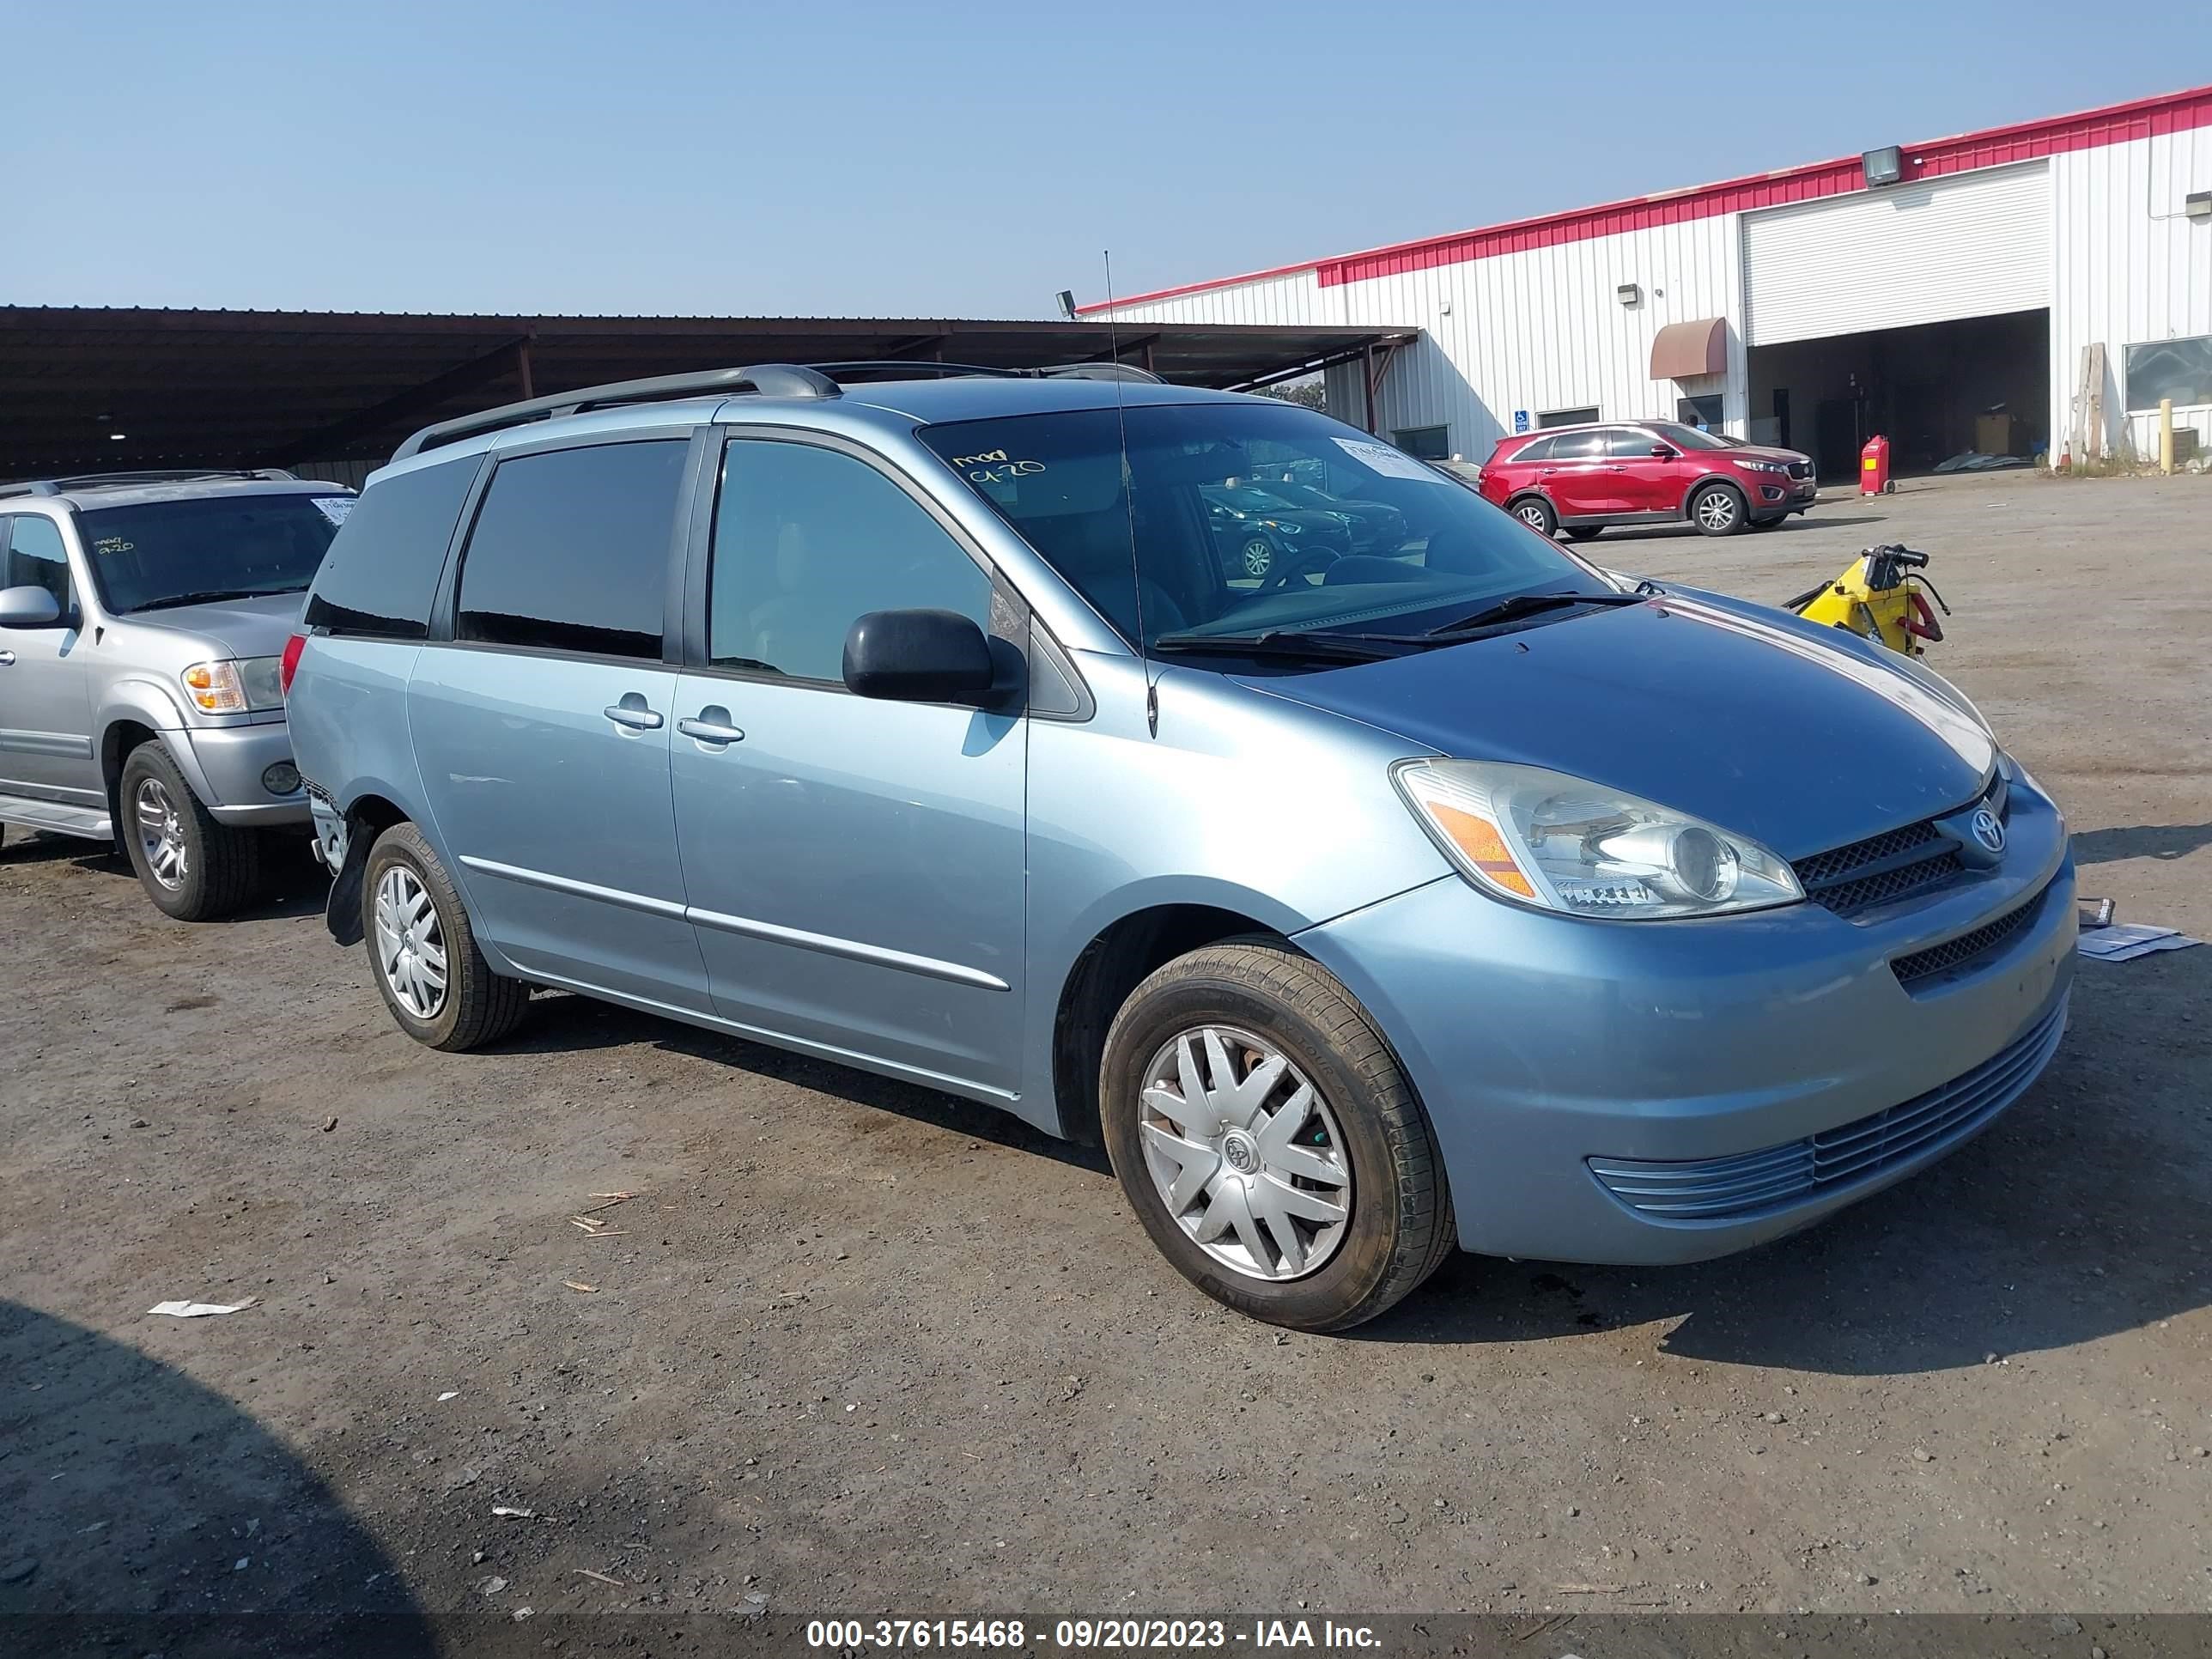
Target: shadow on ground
[146, 1514]
[2139, 841]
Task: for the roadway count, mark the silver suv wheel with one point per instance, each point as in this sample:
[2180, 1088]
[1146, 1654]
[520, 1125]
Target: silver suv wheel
[410, 951]
[1245, 1153]
[160, 834]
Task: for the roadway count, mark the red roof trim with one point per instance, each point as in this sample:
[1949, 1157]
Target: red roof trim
[2143, 118]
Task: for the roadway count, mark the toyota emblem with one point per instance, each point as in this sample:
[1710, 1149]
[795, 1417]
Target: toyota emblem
[1988, 829]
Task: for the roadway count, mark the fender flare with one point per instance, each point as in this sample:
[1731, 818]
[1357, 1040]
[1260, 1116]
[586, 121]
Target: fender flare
[147, 702]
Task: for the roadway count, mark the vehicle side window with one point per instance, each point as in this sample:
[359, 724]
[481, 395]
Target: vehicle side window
[1627, 444]
[1540, 450]
[806, 541]
[570, 551]
[381, 574]
[37, 558]
[1579, 446]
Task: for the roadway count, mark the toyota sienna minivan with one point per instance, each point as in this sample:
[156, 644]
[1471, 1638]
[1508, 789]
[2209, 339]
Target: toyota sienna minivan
[1446, 893]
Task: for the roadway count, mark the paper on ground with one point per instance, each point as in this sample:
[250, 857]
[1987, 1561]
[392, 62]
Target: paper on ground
[195, 1310]
[2123, 941]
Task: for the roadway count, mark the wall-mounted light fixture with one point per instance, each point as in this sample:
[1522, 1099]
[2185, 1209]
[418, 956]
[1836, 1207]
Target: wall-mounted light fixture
[2198, 205]
[1882, 166]
[1067, 303]
[1629, 293]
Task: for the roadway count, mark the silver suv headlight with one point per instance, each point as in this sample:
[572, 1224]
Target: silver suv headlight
[252, 685]
[1543, 838]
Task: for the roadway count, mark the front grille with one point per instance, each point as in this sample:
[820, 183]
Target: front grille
[1881, 868]
[1801, 469]
[1990, 937]
[1893, 865]
[1750, 1184]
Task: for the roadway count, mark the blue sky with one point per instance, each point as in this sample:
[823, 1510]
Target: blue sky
[928, 160]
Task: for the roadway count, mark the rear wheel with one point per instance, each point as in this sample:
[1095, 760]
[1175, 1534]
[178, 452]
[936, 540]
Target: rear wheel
[423, 953]
[1718, 510]
[1268, 1140]
[1536, 513]
[192, 867]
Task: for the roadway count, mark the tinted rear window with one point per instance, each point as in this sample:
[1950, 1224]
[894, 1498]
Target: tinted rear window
[570, 551]
[382, 570]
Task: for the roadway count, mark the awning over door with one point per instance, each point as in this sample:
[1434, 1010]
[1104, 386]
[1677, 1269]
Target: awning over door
[1682, 351]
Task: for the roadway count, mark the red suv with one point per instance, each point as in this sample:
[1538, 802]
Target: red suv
[1581, 478]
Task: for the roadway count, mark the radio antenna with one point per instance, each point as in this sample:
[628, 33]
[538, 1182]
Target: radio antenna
[1129, 507]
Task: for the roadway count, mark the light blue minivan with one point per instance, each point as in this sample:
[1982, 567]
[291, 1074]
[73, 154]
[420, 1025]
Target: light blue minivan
[1449, 891]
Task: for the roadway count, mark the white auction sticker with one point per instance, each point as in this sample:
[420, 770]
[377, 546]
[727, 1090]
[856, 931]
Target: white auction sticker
[1390, 462]
[335, 507]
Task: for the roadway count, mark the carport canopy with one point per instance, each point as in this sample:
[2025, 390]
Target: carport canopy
[1682, 351]
[84, 389]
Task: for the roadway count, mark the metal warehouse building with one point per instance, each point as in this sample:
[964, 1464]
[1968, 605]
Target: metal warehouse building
[2046, 283]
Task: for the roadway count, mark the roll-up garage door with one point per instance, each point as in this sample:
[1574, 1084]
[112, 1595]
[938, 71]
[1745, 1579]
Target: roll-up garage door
[1972, 245]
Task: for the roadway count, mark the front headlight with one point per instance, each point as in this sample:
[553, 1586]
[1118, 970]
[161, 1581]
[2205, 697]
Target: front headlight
[252, 686]
[1543, 838]
[1286, 529]
[1764, 467]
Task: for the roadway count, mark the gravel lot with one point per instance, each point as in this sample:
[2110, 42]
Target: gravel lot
[854, 1347]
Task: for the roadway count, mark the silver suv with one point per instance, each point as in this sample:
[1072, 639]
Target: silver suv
[142, 619]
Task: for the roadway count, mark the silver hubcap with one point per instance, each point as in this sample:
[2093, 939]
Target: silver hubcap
[1258, 555]
[1716, 509]
[1245, 1153]
[161, 834]
[1533, 516]
[411, 951]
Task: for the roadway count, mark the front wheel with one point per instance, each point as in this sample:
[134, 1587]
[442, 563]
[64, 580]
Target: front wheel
[1718, 510]
[1268, 1140]
[192, 867]
[422, 951]
[1584, 533]
[1258, 556]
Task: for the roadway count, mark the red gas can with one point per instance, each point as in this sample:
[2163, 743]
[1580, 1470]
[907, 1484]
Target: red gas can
[1874, 468]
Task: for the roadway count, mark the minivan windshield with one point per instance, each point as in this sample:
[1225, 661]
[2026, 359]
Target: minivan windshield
[1191, 542]
[151, 555]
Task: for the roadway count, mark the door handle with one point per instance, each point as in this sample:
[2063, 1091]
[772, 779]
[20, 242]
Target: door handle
[711, 724]
[7, 659]
[632, 713]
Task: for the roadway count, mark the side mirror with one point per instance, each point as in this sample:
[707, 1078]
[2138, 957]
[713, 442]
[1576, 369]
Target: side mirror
[1663, 451]
[919, 656]
[29, 607]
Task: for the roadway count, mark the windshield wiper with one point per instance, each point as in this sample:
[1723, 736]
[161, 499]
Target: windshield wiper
[211, 595]
[1525, 605]
[1285, 642]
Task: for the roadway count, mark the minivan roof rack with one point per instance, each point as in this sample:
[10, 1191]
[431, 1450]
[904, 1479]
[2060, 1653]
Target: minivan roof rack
[764, 380]
[153, 476]
[902, 369]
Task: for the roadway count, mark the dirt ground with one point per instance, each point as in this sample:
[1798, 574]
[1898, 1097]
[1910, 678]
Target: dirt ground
[853, 1347]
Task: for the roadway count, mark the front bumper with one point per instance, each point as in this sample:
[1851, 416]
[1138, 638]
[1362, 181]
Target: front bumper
[1747, 1061]
[226, 762]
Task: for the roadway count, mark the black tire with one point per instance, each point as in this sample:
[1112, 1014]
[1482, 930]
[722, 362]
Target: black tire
[478, 1007]
[1584, 533]
[1705, 510]
[1536, 513]
[1400, 1228]
[220, 866]
[1257, 556]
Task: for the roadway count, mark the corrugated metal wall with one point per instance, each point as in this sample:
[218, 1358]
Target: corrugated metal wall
[2130, 268]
